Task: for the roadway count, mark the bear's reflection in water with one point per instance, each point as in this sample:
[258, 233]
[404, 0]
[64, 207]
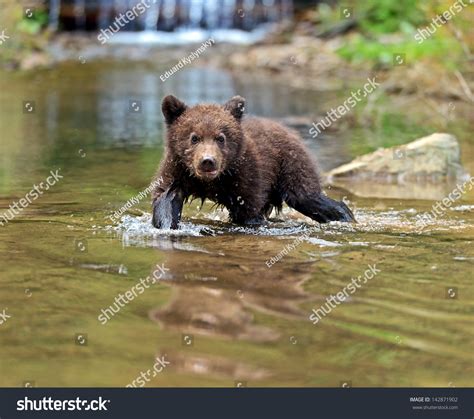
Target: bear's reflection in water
[215, 296]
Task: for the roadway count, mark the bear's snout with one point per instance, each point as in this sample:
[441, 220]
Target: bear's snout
[208, 164]
[208, 167]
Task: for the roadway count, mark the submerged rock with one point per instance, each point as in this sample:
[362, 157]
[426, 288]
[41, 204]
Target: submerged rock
[435, 158]
[426, 163]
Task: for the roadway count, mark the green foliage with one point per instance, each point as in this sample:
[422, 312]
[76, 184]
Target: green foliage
[360, 49]
[34, 24]
[28, 32]
[377, 16]
[388, 16]
[388, 27]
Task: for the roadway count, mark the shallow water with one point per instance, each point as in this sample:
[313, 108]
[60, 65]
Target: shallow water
[218, 313]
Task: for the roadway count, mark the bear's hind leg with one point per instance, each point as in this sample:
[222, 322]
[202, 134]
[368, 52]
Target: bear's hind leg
[321, 208]
[300, 186]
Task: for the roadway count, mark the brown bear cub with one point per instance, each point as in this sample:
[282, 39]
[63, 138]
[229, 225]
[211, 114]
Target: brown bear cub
[248, 165]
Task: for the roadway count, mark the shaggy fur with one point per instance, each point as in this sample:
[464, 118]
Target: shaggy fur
[248, 165]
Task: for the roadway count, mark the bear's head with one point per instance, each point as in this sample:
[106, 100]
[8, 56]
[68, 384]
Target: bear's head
[207, 139]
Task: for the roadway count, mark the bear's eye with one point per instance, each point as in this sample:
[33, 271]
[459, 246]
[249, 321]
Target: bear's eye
[221, 138]
[194, 139]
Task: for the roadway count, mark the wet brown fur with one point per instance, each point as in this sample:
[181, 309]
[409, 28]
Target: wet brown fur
[261, 164]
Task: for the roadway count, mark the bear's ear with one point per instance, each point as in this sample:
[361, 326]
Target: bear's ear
[172, 108]
[236, 106]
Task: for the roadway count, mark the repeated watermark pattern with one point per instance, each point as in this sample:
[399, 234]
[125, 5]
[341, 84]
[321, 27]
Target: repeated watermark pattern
[136, 199]
[4, 316]
[336, 113]
[81, 339]
[187, 339]
[440, 207]
[123, 19]
[334, 300]
[145, 376]
[3, 37]
[287, 249]
[121, 300]
[439, 20]
[187, 60]
[18, 206]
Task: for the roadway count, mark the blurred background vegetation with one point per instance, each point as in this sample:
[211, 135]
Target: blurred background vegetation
[325, 46]
[385, 27]
[373, 30]
[26, 31]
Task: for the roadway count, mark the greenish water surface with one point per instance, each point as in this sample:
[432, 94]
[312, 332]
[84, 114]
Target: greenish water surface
[62, 260]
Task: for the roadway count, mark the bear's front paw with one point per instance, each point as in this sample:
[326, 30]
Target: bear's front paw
[167, 211]
[251, 222]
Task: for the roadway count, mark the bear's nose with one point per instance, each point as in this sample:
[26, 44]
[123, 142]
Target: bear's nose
[208, 164]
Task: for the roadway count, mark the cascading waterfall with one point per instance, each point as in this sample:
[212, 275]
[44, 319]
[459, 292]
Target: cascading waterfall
[104, 14]
[211, 13]
[120, 6]
[54, 11]
[246, 13]
[151, 17]
[228, 12]
[168, 14]
[80, 13]
[195, 13]
[271, 10]
[163, 18]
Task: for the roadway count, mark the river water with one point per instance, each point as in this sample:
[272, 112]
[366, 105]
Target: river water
[219, 314]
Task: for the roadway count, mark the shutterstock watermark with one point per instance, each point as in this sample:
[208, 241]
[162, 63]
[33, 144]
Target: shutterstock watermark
[440, 207]
[336, 113]
[48, 404]
[123, 18]
[145, 376]
[139, 288]
[3, 37]
[334, 300]
[4, 316]
[136, 199]
[439, 20]
[187, 60]
[17, 207]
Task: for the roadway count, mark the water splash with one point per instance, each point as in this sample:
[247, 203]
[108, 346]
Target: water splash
[291, 225]
[133, 226]
[463, 208]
